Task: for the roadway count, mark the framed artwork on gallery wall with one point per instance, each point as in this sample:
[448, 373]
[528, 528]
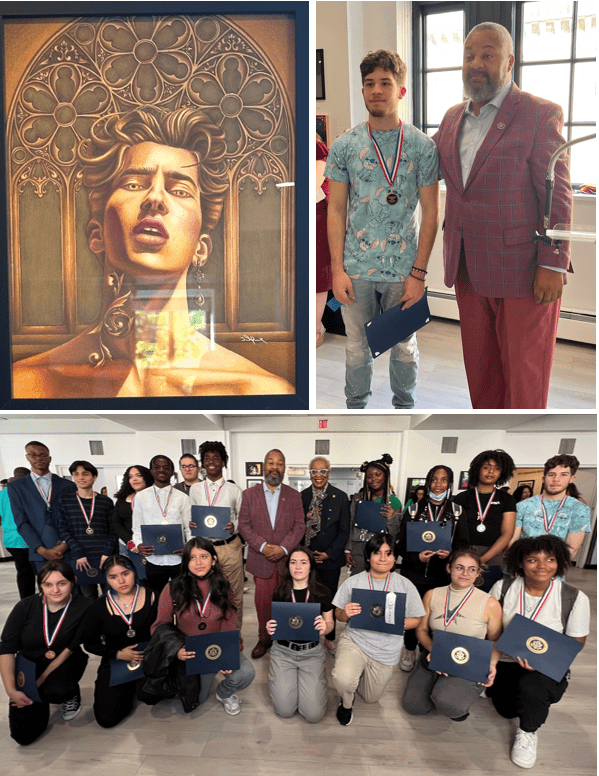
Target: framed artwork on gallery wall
[156, 166]
[322, 128]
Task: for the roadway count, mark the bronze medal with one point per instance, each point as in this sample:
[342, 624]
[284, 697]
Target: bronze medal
[50, 654]
[392, 198]
[130, 633]
[89, 530]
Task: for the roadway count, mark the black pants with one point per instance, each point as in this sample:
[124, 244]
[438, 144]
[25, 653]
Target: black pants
[330, 579]
[528, 695]
[27, 724]
[158, 576]
[113, 704]
[25, 571]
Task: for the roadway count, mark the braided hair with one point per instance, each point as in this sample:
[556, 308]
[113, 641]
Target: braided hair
[383, 463]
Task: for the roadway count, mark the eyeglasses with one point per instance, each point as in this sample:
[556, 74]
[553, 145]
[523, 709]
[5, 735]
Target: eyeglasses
[185, 468]
[470, 571]
[319, 471]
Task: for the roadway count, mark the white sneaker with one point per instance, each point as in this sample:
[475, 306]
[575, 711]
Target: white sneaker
[524, 750]
[407, 659]
[71, 708]
[232, 705]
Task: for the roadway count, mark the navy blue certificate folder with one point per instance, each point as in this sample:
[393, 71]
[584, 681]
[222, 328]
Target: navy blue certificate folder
[210, 521]
[369, 517]
[136, 559]
[165, 539]
[396, 325]
[546, 650]
[25, 678]
[121, 671]
[295, 621]
[372, 616]
[214, 652]
[462, 656]
[421, 536]
[93, 575]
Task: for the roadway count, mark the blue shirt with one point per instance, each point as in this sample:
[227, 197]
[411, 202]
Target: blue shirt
[272, 504]
[381, 240]
[573, 517]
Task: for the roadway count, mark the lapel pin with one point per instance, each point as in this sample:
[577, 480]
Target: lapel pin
[501, 125]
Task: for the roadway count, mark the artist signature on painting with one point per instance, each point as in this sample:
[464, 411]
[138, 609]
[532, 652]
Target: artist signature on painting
[247, 338]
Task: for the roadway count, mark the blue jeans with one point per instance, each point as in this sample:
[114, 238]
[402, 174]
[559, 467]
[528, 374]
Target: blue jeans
[232, 683]
[372, 299]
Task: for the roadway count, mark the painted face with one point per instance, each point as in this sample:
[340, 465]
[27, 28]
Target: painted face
[274, 468]
[440, 481]
[153, 220]
[38, 457]
[136, 481]
[299, 567]
[463, 571]
[214, 465]
[319, 474]
[539, 566]
[375, 479]
[490, 472]
[200, 562]
[487, 66]
[121, 579]
[382, 561]
[162, 471]
[83, 479]
[382, 93]
[557, 480]
[56, 588]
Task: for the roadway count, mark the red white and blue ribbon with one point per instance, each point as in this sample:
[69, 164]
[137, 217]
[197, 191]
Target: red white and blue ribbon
[539, 606]
[447, 618]
[439, 515]
[215, 499]
[164, 511]
[123, 616]
[390, 176]
[387, 583]
[89, 519]
[49, 639]
[482, 515]
[548, 524]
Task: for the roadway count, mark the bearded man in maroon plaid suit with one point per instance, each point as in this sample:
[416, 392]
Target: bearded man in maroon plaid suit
[494, 150]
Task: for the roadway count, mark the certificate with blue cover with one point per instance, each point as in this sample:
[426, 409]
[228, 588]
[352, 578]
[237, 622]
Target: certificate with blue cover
[122, 671]
[369, 517]
[136, 559]
[547, 651]
[214, 652]
[462, 656]
[372, 616]
[165, 539]
[25, 678]
[93, 575]
[210, 521]
[429, 535]
[396, 325]
[295, 621]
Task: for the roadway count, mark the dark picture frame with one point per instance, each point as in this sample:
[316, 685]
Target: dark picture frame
[252, 483]
[298, 12]
[463, 481]
[529, 483]
[320, 88]
[253, 468]
[411, 484]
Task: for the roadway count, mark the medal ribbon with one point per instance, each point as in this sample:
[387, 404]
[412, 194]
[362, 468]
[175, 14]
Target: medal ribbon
[447, 619]
[42, 494]
[482, 515]
[203, 609]
[293, 597]
[47, 638]
[123, 616]
[439, 516]
[89, 519]
[371, 583]
[168, 498]
[539, 606]
[213, 502]
[392, 175]
[549, 524]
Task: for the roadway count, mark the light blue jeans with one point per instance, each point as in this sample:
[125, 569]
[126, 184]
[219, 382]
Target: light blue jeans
[232, 683]
[371, 299]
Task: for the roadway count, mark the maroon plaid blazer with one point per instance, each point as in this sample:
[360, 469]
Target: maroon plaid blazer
[503, 202]
[255, 527]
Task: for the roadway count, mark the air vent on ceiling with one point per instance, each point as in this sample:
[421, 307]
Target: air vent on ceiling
[188, 447]
[449, 445]
[322, 447]
[566, 446]
[96, 448]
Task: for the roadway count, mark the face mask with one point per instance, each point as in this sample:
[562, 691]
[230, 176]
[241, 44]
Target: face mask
[439, 497]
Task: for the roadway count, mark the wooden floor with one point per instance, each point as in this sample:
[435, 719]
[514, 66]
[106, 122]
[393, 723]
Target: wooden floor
[381, 741]
[441, 376]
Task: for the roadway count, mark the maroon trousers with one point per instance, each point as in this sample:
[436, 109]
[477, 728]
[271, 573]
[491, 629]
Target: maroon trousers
[508, 347]
[263, 594]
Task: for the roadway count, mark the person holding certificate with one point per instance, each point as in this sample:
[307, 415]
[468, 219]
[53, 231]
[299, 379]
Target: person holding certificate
[199, 601]
[365, 659]
[46, 629]
[376, 487]
[297, 679]
[456, 608]
[114, 626]
[538, 594]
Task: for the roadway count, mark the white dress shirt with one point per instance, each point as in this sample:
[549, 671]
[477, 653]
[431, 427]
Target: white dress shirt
[217, 494]
[148, 508]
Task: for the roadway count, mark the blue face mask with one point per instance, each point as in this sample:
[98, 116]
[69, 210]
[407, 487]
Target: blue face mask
[439, 497]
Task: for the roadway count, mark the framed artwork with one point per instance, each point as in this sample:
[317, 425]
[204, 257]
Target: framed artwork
[463, 481]
[320, 91]
[253, 469]
[252, 483]
[153, 182]
[411, 485]
[529, 483]
[322, 127]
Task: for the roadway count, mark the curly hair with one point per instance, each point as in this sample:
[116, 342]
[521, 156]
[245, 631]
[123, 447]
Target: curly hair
[501, 457]
[213, 447]
[283, 589]
[517, 494]
[383, 463]
[102, 155]
[126, 489]
[386, 60]
[552, 545]
[570, 461]
[186, 590]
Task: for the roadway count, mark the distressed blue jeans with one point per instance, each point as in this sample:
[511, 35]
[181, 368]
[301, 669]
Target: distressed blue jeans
[372, 299]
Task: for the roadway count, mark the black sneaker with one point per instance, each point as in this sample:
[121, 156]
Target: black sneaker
[344, 715]
[71, 708]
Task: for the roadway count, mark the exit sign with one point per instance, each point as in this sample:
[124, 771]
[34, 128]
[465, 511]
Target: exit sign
[322, 424]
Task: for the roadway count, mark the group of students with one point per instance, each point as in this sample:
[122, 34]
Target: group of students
[442, 593]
